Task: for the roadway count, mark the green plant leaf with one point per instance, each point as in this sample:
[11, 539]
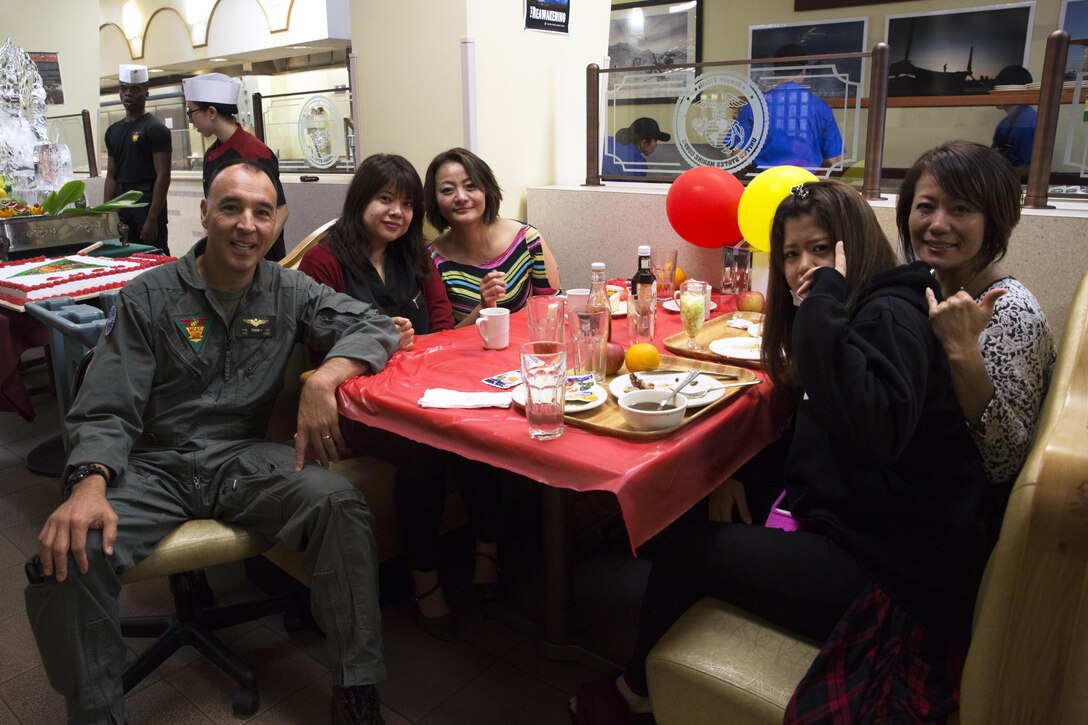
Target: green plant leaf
[129, 200]
[64, 197]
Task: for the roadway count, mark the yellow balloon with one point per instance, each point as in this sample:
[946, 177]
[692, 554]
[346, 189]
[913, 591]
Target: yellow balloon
[760, 201]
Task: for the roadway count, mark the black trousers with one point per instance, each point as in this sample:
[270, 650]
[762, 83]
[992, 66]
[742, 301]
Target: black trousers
[135, 218]
[798, 580]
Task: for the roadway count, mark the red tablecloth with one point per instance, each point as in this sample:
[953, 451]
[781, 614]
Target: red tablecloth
[18, 333]
[654, 481]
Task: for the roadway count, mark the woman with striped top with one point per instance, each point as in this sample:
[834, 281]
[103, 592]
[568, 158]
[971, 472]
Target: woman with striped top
[484, 260]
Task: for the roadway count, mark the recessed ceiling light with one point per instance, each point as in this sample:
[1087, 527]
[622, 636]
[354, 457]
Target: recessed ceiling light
[298, 47]
[219, 60]
[154, 70]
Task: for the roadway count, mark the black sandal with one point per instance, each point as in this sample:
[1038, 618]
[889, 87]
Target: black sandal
[443, 627]
[488, 591]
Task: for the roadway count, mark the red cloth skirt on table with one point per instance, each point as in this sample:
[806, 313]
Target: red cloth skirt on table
[18, 332]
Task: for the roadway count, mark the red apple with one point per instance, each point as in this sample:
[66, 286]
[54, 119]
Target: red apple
[613, 357]
[750, 301]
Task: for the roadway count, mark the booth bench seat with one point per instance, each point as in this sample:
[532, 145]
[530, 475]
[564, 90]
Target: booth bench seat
[1028, 659]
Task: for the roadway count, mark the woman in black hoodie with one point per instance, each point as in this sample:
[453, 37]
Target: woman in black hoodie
[882, 475]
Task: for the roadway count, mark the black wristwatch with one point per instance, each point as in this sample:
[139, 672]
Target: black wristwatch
[82, 471]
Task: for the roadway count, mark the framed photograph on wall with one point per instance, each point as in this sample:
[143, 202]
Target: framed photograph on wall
[1074, 20]
[653, 33]
[822, 37]
[956, 52]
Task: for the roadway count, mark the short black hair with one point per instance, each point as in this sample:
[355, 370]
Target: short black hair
[227, 110]
[478, 172]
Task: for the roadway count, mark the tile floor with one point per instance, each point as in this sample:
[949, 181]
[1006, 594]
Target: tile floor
[492, 673]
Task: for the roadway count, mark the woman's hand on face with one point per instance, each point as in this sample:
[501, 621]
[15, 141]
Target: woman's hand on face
[959, 320]
[807, 277]
[406, 332]
[492, 288]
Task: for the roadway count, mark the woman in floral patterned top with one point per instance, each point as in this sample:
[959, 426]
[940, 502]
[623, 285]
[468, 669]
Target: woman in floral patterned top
[485, 260]
[957, 207]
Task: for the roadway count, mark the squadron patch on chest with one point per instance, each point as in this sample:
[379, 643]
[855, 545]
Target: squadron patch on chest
[194, 329]
[255, 327]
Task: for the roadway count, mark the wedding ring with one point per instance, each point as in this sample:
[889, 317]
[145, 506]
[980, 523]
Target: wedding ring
[326, 437]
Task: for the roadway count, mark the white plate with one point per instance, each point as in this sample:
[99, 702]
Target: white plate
[518, 395]
[737, 348]
[671, 305]
[661, 381]
[1010, 87]
[621, 308]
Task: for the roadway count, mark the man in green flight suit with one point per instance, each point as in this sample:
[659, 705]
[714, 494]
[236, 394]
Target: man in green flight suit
[168, 426]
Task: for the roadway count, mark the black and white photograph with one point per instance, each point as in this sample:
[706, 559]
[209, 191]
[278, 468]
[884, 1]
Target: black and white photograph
[815, 38]
[653, 34]
[1075, 22]
[551, 16]
[956, 52]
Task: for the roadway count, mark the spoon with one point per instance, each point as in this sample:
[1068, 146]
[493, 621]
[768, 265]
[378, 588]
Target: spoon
[669, 401]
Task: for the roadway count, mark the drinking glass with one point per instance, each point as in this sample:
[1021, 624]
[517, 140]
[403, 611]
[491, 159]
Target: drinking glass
[736, 270]
[692, 310]
[544, 370]
[663, 265]
[588, 340]
[547, 318]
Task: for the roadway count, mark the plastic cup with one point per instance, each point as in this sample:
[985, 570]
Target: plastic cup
[547, 318]
[736, 270]
[663, 265]
[588, 340]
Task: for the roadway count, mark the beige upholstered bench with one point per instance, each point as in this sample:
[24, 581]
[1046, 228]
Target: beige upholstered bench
[1028, 661]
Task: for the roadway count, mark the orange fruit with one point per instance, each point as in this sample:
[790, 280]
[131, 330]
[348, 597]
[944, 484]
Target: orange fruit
[681, 275]
[642, 357]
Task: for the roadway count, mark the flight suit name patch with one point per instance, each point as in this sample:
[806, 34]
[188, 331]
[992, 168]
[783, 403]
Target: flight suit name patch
[194, 328]
[256, 327]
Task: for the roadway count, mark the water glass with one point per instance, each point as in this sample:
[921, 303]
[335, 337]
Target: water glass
[641, 320]
[588, 341]
[663, 265]
[547, 318]
[544, 370]
[736, 270]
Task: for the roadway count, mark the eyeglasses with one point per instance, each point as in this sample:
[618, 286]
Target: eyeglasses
[190, 111]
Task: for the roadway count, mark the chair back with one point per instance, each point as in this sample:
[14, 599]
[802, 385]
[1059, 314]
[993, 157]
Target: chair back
[294, 257]
[1028, 661]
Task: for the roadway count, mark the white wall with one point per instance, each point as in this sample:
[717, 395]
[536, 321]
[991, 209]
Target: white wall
[73, 33]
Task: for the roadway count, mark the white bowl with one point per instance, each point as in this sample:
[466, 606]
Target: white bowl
[652, 419]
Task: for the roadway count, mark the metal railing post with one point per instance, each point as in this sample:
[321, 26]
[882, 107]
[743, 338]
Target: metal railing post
[878, 110]
[593, 121]
[88, 139]
[1046, 124]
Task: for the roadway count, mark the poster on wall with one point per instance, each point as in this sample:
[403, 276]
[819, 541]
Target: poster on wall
[1075, 22]
[653, 33]
[552, 16]
[49, 69]
[816, 38]
[956, 52]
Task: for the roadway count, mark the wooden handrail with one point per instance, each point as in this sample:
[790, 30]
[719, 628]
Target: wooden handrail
[1046, 124]
[878, 111]
[593, 124]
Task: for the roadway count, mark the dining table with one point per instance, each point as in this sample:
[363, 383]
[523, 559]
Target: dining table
[654, 480]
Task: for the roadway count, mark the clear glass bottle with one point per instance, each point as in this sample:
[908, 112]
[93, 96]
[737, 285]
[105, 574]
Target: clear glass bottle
[598, 294]
[642, 301]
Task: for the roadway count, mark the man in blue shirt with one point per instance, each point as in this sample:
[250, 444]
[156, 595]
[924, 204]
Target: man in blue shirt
[1015, 133]
[625, 154]
[801, 128]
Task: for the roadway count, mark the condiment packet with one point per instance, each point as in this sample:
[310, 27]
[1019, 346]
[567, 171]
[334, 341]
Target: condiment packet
[580, 387]
[504, 381]
[740, 323]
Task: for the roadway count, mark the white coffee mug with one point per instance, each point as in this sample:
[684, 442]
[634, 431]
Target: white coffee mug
[577, 297]
[493, 324]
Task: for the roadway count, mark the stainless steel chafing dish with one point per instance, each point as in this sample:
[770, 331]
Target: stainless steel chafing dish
[29, 236]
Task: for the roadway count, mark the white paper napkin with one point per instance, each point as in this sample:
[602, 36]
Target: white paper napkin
[443, 398]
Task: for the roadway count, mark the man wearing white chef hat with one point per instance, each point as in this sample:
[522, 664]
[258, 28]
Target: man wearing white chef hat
[211, 102]
[139, 158]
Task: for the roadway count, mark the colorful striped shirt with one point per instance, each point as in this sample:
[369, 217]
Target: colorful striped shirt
[522, 263]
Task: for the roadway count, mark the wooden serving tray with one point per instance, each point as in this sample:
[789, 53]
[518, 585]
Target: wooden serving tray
[714, 329]
[608, 418]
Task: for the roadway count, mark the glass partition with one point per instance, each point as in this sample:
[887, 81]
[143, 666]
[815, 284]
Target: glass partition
[1073, 125]
[309, 131]
[69, 130]
[168, 107]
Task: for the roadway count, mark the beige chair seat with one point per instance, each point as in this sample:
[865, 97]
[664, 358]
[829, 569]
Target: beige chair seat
[197, 544]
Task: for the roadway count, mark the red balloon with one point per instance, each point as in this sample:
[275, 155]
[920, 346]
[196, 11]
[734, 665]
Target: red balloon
[702, 207]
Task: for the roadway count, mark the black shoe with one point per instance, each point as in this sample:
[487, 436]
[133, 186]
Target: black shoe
[488, 591]
[441, 627]
[358, 705]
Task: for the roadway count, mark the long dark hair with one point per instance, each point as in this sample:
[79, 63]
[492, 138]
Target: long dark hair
[347, 238]
[980, 176]
[840, 211]
[478, 172]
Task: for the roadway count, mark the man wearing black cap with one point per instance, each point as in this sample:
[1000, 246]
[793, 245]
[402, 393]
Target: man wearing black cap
[802, 130]
[625, 155]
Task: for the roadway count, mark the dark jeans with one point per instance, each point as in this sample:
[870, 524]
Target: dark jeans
[135, 218]
[801, 581]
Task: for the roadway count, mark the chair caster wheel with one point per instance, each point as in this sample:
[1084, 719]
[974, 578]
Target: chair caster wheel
[246, 702]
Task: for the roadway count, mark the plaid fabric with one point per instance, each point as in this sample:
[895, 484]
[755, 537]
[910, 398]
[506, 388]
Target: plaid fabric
[880, 665]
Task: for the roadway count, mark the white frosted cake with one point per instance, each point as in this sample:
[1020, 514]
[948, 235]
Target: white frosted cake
[77, 276]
